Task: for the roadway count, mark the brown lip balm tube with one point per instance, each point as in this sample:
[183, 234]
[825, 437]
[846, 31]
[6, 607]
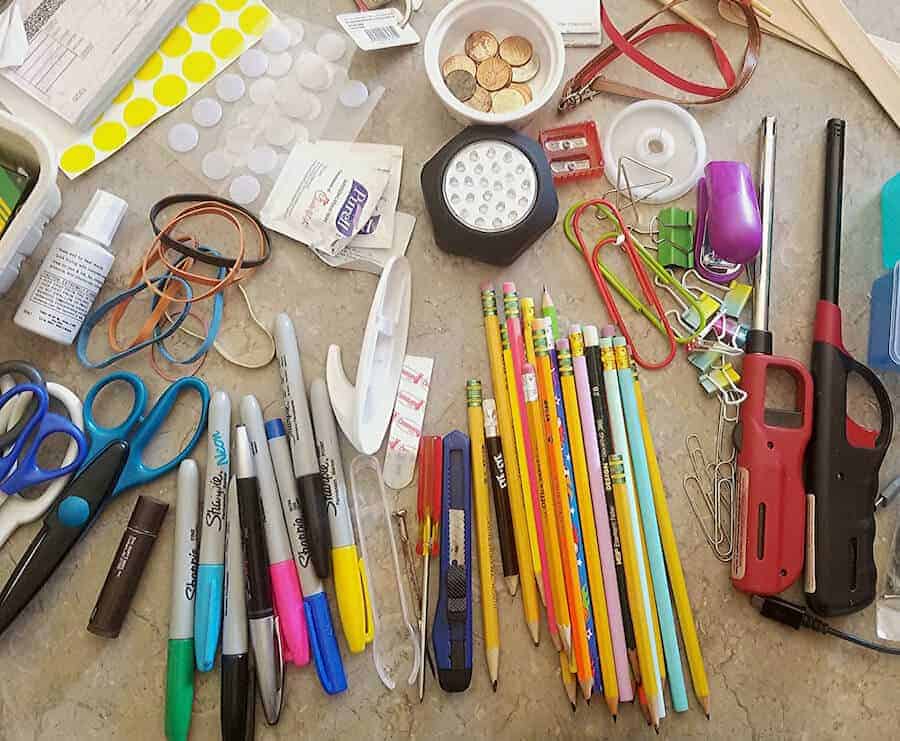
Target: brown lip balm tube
[127, 566]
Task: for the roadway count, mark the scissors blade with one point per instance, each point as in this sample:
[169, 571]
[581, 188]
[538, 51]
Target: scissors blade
[72, 515]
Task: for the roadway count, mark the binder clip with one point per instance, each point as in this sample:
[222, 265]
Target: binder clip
[675, 238]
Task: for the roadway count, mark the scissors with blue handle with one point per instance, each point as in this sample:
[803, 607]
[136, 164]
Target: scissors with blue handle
[115, 463]
[140, 426]
[19, 468]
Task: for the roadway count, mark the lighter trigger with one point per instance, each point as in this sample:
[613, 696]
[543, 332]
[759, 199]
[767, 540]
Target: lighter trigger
[859, 436]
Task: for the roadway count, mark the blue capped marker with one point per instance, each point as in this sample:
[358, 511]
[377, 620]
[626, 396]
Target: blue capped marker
[323, 641]
[211, 568]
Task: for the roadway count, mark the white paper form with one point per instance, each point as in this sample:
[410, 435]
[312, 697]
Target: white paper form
[82, 51]
[573, 16]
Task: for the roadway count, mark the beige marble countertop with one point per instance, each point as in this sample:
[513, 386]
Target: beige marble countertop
[60, 682]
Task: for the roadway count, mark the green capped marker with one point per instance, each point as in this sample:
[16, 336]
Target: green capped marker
[180, 664]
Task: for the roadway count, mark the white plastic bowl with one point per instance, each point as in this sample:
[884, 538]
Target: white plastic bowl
[447, 36]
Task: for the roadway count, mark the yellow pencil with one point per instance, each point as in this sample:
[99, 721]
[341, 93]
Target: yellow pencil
[507, 440]
[568, 679]
[522, 457]
[526, 305]
[589, 539]
[673, 562]
[639, 616]
[560, 489]
[551, 536]
[483, 530]
[529, 591]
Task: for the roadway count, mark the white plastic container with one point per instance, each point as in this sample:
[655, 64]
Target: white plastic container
[21, 144]
[447, 36]
[73, 272]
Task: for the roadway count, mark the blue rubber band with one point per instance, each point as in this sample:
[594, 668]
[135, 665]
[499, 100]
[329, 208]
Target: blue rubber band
[96, 316]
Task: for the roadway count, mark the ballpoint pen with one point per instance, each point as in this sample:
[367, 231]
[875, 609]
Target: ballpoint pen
[322, 638]
[265, 634]
[303, 446]
[285, 583]
[238, 694]
[180, 662]
[349, 575]
[211, 568]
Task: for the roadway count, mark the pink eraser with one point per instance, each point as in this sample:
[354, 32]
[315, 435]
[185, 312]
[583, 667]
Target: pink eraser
[509, 287]
[487, 286]
[609, 331]
[562, 345]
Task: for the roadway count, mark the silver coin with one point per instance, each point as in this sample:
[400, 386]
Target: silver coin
[527, 72]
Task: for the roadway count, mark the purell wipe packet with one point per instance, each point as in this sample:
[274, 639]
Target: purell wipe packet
[324, 198]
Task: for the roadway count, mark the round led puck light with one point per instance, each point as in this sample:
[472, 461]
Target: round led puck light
[490, 194]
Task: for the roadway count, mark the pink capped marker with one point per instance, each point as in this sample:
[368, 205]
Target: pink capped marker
[286, 594]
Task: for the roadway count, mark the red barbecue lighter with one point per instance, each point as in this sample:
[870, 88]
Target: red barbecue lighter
[770, 522]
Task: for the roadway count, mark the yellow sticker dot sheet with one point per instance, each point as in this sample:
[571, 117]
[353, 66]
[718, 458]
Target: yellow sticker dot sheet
[212, 35]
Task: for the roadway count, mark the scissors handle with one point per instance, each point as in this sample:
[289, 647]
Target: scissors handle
[28, 473]
[10, 456]
[33, 376]
[102, 436]
[136, 472]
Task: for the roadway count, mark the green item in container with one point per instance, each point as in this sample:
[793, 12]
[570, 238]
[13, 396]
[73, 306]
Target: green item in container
[13, 185]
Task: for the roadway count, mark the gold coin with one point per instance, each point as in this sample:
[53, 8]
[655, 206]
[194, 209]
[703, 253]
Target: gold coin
[524, 89]
[527, 72]
[461, 84]
[457, 62]
[480, 100]
[507, 101]
[493, 74]
[516, 50]
[482, 45]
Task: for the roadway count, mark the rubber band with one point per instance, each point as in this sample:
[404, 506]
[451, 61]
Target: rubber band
[271, 340]
[216, 258]
[154, 361]
[96, 316]
[156, 253]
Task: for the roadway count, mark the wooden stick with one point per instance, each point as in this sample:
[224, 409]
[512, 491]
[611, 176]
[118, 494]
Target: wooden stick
[690, 18]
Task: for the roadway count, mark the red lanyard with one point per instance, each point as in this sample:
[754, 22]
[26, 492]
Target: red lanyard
[590, 81]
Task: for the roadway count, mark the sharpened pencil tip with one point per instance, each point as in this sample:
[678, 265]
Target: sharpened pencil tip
[495, 685]
[615, 719]
[707, 716]
[573, 707]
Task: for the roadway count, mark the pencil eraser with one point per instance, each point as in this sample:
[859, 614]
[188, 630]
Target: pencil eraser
[562, 345]
[574, 329]
[509, 287]
[487, 286]
[610, 330]
[591, 336]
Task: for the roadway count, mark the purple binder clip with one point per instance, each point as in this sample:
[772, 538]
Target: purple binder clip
[729, 227]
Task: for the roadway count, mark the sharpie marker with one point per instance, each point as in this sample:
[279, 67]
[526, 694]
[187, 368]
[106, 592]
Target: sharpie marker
[238, 697]
[303, 445]
[265, 635]
[285, 585]
[349, 572]
[322, 638]
[180, 662]
[211, 569]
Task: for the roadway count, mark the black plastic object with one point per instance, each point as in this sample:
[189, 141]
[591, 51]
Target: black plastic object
[493, 247]
[74, 512]
[314, 504]
[843, 458]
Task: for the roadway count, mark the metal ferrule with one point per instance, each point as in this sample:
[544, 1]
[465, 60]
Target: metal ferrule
[473, 392]
[564, 357]
[489, 302]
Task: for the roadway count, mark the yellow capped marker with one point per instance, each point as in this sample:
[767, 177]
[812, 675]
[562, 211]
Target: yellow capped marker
[348, 570]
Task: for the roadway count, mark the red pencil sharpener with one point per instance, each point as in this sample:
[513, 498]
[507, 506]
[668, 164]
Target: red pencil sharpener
[573, 151]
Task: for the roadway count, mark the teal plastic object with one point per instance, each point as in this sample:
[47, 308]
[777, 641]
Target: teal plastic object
[890, 222]
[676, 238]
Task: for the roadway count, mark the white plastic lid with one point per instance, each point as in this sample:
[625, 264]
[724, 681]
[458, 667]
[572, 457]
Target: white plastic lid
[102, 218]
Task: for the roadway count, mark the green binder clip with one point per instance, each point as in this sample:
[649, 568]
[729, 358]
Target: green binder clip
[675, 240]
[736, 299]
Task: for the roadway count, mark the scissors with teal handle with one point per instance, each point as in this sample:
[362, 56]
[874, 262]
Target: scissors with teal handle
[19, 468]
[140, 426]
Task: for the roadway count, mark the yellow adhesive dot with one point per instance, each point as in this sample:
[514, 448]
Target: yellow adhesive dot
[109, 136]
[77, 158]
[203, 18]
[254, 20]
[138, 112]
[176, 43]
[231, 5]
[226, 43]
[152, 67]
[125, 93]
[199, 66]
[170, 90]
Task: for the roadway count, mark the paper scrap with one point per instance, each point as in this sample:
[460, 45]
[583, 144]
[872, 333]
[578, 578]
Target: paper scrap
[13, 41]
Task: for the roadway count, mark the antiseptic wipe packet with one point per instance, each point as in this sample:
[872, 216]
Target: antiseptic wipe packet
[324, 200]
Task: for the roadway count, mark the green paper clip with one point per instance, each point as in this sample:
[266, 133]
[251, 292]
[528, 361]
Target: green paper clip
[676, 237]
[736, 299]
